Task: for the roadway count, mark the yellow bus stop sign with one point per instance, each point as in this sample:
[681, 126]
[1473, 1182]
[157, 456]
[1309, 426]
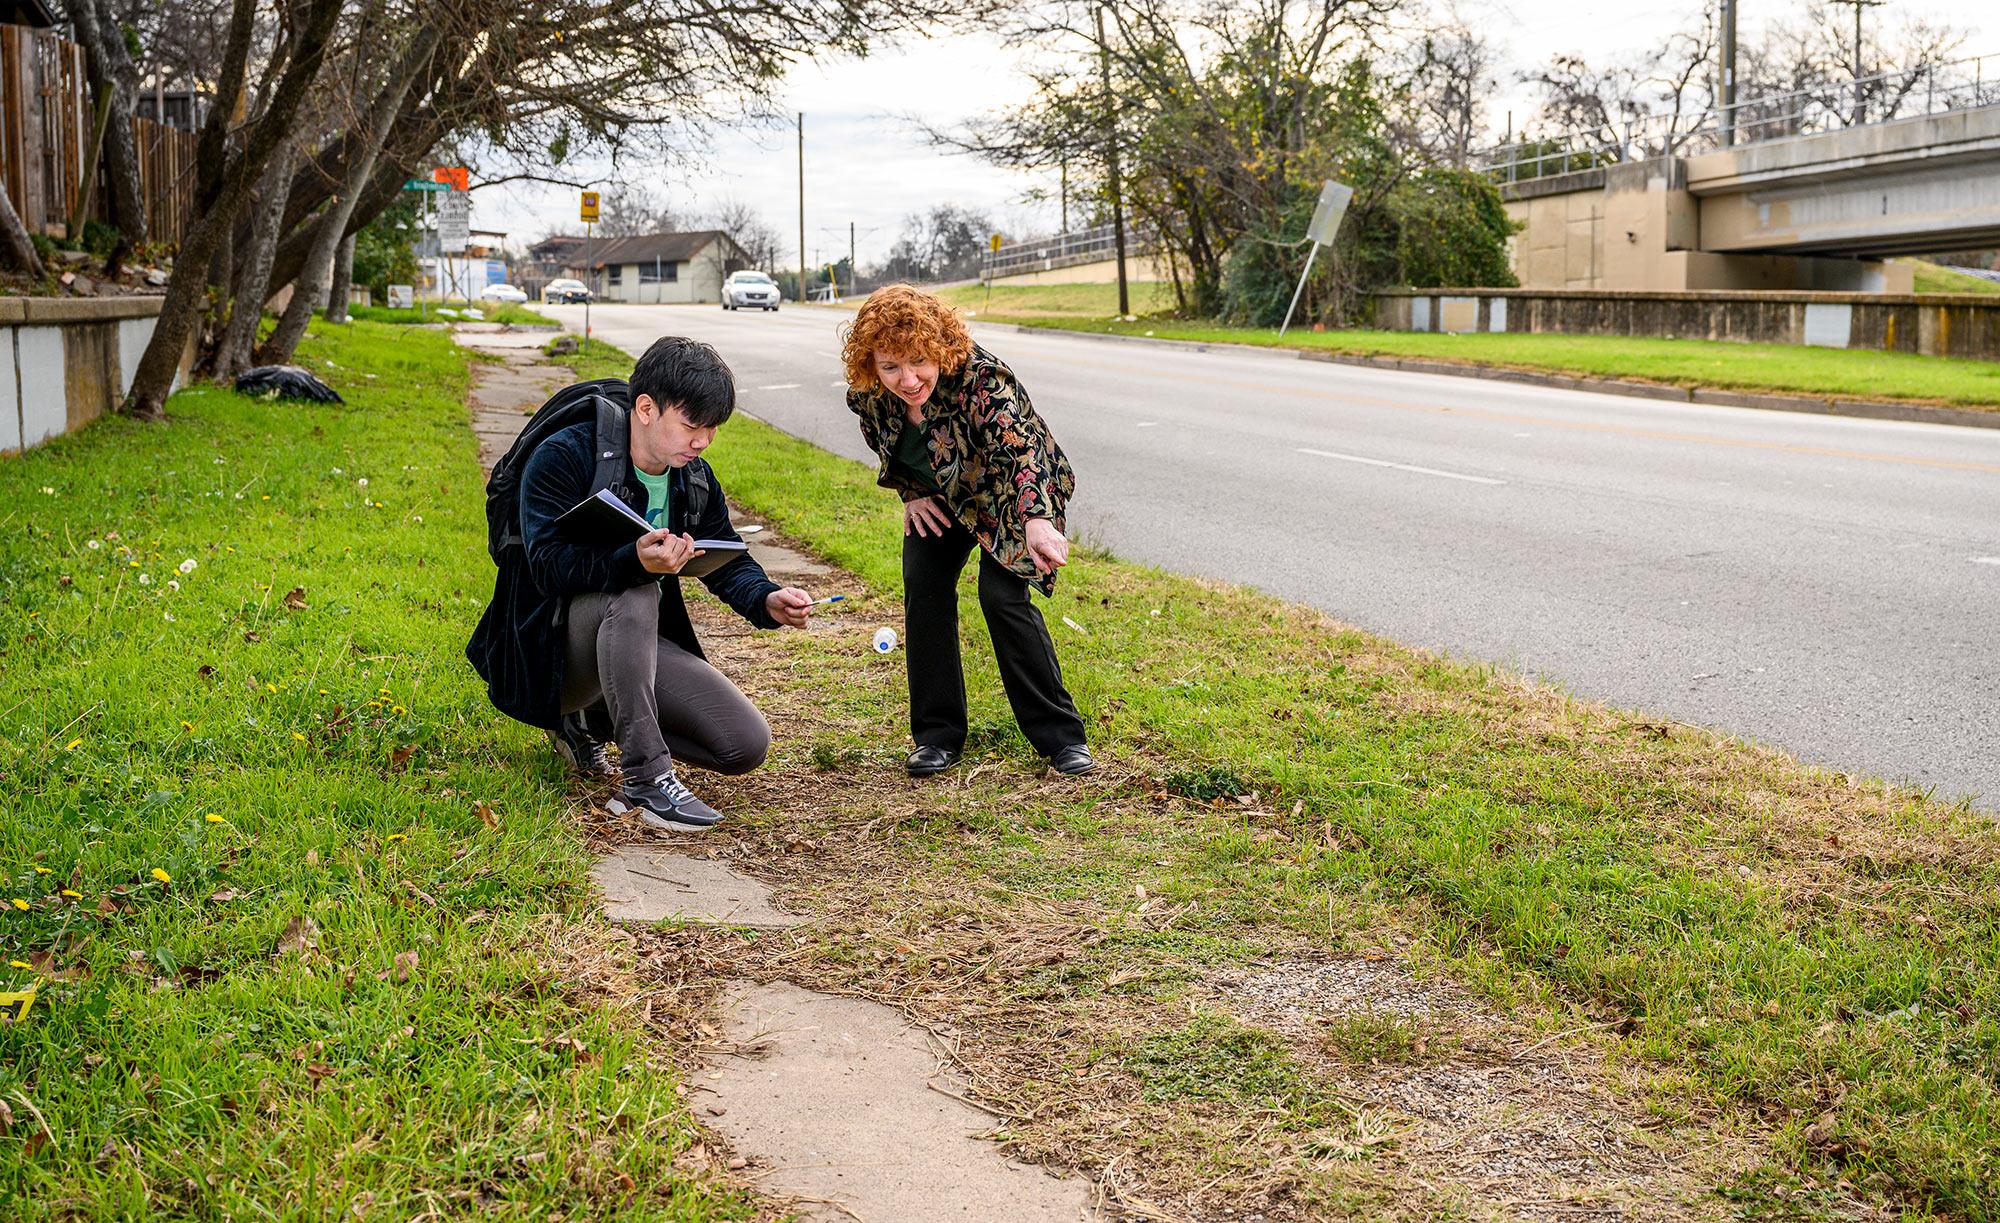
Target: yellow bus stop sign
[995, 242]
[590, 206]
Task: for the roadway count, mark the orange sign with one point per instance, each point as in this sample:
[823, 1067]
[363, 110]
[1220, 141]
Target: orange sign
[454, 177]
[590, 206]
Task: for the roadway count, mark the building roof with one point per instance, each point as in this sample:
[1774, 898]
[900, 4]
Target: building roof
[644, 248]
[556, 245]
[27, 12]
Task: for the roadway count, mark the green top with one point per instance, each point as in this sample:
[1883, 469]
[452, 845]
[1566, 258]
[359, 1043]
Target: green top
[656, 495]
[913, 455]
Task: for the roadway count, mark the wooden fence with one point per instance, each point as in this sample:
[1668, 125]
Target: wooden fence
[46, 121]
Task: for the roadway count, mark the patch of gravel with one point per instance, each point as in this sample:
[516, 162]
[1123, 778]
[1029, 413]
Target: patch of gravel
[1296, 996]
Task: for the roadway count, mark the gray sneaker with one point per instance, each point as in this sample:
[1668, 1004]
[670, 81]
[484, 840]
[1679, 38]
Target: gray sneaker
[664, 803]
[580, 749]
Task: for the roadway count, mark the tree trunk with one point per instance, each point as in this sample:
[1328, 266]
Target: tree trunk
[343, 281]
[110, 71]
[253, 279]
[310, 288]
[181, 311]
[16, 248]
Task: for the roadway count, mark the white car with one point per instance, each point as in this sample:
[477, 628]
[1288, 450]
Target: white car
[502, 293]
[754, 289]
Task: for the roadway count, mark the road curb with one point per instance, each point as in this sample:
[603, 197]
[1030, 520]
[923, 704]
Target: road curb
[1862, 409]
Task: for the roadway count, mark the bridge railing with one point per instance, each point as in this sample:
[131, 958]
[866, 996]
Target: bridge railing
[1822, 107]
[1061, 251]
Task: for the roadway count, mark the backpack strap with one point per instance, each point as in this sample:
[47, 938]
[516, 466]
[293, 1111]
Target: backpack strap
[613, 452]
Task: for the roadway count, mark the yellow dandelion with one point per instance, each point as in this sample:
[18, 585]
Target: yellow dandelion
[271, 687]
[20, 904]
[398, 709]
[43, 870]
[187, 726]
[324, 692]
[396, 836]
[162, 876]
[72, 894]
[384, 692]
[212, 818]
[71, 745]
[20, 964]
[296, 735]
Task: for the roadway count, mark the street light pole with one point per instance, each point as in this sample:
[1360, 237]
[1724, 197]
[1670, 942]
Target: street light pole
[1728, 72]
[1111, 162]
[802, 206]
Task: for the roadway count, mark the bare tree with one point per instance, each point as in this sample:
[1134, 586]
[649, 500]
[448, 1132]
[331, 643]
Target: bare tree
[1647, 105]
[16, 248]
[343, 281]
[309, 291]
[1451, 73]
[113, 78]
[628, 208]
[253, 277]
[758, 238]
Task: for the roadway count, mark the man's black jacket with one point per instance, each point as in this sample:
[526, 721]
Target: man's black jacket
[519, 644]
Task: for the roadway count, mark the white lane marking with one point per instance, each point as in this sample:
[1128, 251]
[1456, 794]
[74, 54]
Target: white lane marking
[1986, 560]
[1146, 424]
[780, 386]
[840, 385]
[1422, 471]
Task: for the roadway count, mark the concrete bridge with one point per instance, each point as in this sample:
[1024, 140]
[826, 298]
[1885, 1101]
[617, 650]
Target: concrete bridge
[1816, 211]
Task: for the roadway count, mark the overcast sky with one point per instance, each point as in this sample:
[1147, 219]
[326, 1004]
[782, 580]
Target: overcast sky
[867, 165]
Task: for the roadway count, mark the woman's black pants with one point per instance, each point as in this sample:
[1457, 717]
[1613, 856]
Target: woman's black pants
[1027, 657]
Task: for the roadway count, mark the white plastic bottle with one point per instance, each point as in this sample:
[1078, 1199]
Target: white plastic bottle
[885, 640]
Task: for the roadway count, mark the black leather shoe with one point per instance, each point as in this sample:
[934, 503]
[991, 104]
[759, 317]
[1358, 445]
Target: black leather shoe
[928, 761]
[1074, 759]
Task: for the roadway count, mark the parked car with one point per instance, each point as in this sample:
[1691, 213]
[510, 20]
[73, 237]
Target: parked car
[566, 291]
[502, 293]
[750, 289]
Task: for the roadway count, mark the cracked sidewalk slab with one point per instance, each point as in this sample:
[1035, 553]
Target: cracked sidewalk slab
[843, 1105]
[646, 885]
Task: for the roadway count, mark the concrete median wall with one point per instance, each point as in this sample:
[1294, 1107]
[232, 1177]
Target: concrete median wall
[1931, 324]
[64, 362]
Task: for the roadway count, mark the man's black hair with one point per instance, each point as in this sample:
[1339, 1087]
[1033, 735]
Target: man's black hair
[678, 372]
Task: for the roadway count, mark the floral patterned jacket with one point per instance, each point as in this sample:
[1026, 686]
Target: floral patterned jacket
[994, 457]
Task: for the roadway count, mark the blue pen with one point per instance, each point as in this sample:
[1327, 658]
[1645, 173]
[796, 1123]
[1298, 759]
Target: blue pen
[828, 599]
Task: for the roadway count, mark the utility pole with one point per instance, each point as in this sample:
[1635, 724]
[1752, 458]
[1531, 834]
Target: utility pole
[802, 206]
[1860, 94]
[1728, 81]
[1111, 162]
[1065, 193]
[850, 259]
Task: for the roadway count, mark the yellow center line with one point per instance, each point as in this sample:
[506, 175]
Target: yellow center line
[1515, 418]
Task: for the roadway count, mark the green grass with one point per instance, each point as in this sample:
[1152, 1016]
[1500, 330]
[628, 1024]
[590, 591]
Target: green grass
[493, 312]
[1937, 278]
[280, 758]
[1767, 368]
[1007, 303]
[1818, 961]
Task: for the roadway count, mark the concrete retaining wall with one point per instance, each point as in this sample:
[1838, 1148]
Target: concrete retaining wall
[1932, 324]
[64, 362]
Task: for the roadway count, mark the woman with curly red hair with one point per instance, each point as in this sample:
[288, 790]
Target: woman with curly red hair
[975, 467]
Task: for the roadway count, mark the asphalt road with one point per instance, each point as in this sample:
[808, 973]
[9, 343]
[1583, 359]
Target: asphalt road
[1831, 586]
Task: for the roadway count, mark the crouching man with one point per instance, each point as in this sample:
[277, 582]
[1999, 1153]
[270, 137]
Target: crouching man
[587, 635]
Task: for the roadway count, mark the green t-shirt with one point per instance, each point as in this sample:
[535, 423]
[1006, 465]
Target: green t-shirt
[913, 455]
[656, 495]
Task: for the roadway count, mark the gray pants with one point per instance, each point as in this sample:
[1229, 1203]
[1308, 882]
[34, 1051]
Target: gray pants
[665, 703]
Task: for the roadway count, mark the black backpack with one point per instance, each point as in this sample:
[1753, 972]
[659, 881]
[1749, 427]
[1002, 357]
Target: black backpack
[603, 401]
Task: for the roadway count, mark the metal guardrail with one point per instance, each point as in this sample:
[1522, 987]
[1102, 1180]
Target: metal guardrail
[1061, 251]
[1823, 107]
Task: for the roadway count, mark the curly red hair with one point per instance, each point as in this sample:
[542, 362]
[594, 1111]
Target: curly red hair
[904, 322]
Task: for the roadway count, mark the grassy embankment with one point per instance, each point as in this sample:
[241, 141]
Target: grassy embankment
[490, 312]
[309, 922]
[1818, 957]
[1937, 278]
[1764, 368]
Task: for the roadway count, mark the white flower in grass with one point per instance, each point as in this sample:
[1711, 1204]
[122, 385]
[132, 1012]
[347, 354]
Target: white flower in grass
[145, 579]
[174, 584]
[47, 491]
[188, 565]
[167, 616]
[363, 482]
[92, 544]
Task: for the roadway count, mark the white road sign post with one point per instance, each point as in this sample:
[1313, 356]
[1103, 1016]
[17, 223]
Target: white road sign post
[1332, 206]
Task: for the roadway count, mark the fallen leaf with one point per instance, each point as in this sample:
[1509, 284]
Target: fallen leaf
[295, 598]
[319, 1070]
[253, 637]
[487, 816]
[223, 895]
[406, 963]
[301, 935]
[401, 755]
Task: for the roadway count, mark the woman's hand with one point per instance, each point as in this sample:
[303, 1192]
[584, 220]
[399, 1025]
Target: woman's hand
[665, 552]
[1046, 546]
[926, 517]
[790, 606]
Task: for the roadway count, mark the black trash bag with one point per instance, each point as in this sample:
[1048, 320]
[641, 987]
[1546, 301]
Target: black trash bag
[285, 382]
